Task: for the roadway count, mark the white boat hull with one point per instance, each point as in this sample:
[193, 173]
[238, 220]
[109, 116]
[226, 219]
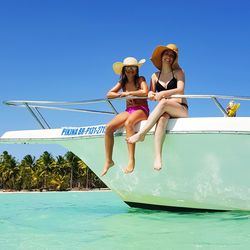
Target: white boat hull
[205, 163]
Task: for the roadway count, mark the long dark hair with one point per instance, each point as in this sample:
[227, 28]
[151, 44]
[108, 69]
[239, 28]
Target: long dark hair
[124, 79]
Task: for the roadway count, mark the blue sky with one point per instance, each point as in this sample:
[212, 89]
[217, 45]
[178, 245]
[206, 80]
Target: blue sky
[63, 50]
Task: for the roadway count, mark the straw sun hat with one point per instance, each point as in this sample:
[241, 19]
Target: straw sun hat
[128, 61]
[156, 56]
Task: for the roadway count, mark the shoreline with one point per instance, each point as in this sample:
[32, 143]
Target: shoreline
[3, 191]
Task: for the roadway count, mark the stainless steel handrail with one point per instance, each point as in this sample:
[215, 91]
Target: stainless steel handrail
[34, 106]
[225, 97]
[22, 102]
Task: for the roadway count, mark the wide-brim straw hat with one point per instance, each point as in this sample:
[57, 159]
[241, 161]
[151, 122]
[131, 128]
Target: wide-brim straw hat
[128, 61]
[156, 56]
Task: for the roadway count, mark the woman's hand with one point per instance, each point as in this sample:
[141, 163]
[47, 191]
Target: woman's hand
[124, 94]
[159, 96]
[151, 95]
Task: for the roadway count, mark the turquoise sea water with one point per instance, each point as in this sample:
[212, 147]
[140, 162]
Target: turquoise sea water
[100, 220]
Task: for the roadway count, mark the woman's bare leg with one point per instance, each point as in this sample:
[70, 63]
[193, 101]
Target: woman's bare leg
[165, 105]
[160, 132]
[134, 118]
[151, 121]
[111, 127]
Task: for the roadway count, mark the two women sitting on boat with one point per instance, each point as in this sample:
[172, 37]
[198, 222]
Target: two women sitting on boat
[168, 81]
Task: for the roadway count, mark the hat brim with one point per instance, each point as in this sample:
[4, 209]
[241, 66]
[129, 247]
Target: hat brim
[156, 57]
[117, 66]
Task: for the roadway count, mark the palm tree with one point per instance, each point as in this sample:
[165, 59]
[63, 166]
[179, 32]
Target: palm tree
[83, 171]
[8, 170]
[60, 175]
[26, 173]
[43, 168]
[72, 161]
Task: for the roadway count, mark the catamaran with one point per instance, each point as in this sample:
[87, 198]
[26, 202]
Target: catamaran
[206, 159]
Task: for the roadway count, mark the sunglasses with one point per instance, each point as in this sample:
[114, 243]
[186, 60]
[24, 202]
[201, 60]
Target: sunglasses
[169, 53]
[130, 68]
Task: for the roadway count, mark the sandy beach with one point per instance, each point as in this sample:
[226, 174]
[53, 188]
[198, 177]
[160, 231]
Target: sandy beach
[3, 191]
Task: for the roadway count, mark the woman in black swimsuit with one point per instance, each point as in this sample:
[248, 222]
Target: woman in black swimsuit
[170, 80]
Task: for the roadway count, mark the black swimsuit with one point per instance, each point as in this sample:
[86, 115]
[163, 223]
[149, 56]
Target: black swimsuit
[172, 84]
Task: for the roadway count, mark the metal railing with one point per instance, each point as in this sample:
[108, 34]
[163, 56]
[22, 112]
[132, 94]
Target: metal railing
[34, 106]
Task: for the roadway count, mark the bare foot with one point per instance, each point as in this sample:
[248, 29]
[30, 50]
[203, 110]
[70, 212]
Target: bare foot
[130, 168]
[106, 167]
[135, 138]
[157, 164]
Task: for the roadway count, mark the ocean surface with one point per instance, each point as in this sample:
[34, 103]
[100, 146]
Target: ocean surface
[100, 220]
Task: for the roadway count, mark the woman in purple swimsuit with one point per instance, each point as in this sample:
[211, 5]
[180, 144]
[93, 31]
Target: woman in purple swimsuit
[170, 80]
[130, 84]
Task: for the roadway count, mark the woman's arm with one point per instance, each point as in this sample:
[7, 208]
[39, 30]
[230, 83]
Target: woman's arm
[114, 92]
[180, 77]
[143, 91]
[151, 93]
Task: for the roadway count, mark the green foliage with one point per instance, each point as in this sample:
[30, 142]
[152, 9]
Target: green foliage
[49, 173]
